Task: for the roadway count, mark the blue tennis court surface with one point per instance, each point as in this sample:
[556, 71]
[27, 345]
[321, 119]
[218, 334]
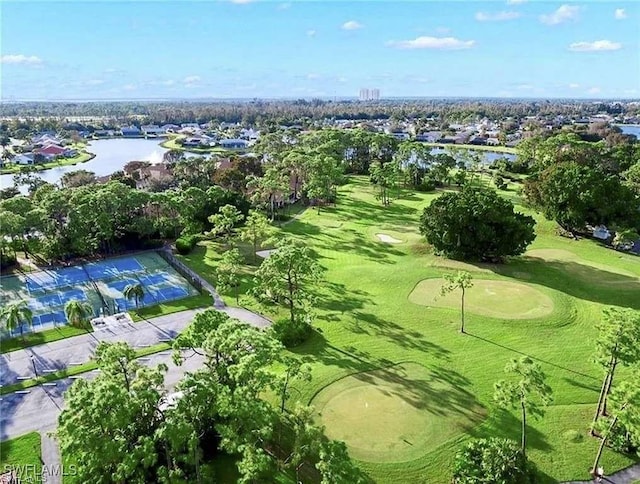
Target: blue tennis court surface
[101, 284]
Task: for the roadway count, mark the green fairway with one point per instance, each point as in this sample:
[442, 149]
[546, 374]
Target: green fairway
[498, 299]
[395, 414]
[366, 321]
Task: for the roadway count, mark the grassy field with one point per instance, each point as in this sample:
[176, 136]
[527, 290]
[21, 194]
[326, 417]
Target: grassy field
[370, 318]
[21, 451]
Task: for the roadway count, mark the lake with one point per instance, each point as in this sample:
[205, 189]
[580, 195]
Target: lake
[633, 129]
[111, 156]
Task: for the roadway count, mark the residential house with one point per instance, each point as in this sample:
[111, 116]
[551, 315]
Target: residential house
[46, 137]
[159, 173]
[24, 159]
[195, 141]
[429, 137]
[233, 144]
[170, 128]
[103, 133]
[152, 130]
[52, 151]
[130, 132]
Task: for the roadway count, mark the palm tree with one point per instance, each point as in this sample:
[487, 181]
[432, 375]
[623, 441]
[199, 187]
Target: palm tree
[77, 312]
[15, 315]
[135, 292]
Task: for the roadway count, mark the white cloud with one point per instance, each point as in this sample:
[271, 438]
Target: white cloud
[515, 2]
[524, 87]
[240, 2]
[351, 25]
[497, 16]
[342, 79]
[426, 42]
[20, 59]
[313, 76]
[563, 14]
[311, 33]
[620, 14]
[594, 90]
[129, 87]
[596, 46]
[94, 82]
[283, 6]
[574, 85]
[191, 79]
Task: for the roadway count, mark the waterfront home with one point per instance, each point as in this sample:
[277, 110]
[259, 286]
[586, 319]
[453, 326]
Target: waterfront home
[130, 132]
[24, 159]
[152, 129]
[234, 144]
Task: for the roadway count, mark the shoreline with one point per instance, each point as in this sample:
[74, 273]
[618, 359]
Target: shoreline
[50, 165]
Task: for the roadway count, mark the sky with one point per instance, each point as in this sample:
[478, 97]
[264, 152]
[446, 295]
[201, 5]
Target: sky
[89, 50]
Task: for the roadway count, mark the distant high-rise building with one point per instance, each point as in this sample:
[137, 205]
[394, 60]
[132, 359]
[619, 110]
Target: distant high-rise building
[369, 94]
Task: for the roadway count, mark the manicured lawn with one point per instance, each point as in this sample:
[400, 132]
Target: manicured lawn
[367, 321]
[170, 307]
[38, 338]
[21, 451]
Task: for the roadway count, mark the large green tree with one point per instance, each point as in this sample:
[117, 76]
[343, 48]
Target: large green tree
[492, 461]
[107, 425]
[256, 229]
[529, 392]
[618, 344]
[224, 222]
[228, 271]
[287, 276]
[476, 224]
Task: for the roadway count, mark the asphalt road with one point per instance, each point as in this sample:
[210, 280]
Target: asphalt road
[37, 408]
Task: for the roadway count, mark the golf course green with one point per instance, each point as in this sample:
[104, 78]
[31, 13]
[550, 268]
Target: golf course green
[497, 299]
[392, 375]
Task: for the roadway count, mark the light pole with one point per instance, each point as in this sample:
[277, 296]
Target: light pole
[33, 362]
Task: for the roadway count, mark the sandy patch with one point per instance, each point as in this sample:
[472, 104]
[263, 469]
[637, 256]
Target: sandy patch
[388, 239]
[265, 253]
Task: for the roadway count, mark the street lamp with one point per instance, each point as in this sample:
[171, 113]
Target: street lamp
[33, 362]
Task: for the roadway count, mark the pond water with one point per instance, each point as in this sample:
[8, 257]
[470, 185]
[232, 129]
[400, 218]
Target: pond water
[111, 156]
[633, 129]
[488, 157]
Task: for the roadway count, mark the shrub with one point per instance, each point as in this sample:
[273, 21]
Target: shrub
[7, 261]
[499, 182]
[291, 334]
[493, 461]
[476, 224]
[185, 244]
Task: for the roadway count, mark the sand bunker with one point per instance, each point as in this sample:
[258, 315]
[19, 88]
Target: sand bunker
[388, 239]
[265, 253]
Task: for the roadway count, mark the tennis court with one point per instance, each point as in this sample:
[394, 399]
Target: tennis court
[101, 284]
